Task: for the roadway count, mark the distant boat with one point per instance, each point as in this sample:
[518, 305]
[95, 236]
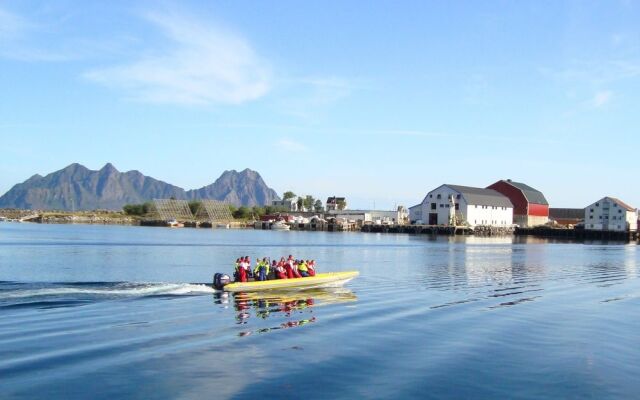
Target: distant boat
[280, 226]
[224, 226]
[172, 223]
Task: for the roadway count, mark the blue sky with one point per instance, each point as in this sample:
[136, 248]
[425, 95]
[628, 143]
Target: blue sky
[379, 101]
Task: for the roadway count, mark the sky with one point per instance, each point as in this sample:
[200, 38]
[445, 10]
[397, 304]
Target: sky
[378, 101]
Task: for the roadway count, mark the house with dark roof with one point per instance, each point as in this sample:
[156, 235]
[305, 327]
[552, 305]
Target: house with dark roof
[530, 207]
[459, 205]
[610, 214]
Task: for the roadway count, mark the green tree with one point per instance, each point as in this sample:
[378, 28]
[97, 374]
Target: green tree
[318, 205]
[308, 202]
[242, 213]
[194, 206]
[288, 195]
[300, 203]
[341, 204]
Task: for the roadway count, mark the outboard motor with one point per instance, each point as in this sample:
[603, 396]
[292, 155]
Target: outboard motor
[219, 280]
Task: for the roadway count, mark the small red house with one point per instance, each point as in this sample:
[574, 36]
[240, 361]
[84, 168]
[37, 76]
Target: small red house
[530, 207]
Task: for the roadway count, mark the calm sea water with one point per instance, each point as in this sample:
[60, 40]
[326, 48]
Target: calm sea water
[122, 312]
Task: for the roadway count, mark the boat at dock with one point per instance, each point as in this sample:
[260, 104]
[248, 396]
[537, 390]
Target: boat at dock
[280, 226]
[323, 280]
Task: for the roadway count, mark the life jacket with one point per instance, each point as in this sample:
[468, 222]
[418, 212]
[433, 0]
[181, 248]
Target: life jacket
[312, 269]
[242, 275]
[261, 266]
[303, 267]
[289, 269]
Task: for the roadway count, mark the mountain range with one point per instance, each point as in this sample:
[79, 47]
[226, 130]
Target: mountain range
[76, 187]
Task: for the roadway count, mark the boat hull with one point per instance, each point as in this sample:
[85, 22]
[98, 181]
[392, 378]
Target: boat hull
[327, 279]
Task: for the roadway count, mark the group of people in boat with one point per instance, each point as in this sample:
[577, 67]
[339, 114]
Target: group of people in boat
[288, 268]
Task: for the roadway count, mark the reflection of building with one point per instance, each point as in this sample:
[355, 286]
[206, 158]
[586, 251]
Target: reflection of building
[458, 205]
[336, 203]
[530, 208]
[610, 214]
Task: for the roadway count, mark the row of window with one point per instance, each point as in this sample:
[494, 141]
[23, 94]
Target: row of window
[439, 196]
[619, 218]
[619, 226]
[486, 222]
[606, 209]
[493, 207]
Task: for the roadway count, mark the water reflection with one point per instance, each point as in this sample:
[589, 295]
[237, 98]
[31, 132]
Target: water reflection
[283, 306]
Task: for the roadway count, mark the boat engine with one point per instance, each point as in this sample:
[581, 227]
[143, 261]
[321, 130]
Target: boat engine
[219, 280]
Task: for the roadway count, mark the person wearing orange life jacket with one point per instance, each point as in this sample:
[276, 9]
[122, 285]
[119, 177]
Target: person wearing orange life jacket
[303, 270]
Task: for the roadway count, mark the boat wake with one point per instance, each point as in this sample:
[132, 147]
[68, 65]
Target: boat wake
[17, 294]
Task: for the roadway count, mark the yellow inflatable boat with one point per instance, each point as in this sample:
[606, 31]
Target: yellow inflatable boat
[327, 279]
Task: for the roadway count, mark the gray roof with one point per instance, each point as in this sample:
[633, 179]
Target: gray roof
[576, 213]
[532, 195]
[482, 197]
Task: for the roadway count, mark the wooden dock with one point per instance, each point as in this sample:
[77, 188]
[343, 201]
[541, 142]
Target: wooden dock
[418, 229]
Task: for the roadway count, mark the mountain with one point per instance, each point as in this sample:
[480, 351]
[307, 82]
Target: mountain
[240, 188]
[78, 188]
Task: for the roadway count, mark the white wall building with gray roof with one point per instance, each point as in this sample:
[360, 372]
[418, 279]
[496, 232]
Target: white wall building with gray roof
[459, 205]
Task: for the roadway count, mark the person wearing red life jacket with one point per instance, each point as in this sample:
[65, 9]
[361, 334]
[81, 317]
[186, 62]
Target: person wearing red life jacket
[296, 273]
[288, 266]
[242, 273]
[247, 267]
[311, 268]
[281, 272]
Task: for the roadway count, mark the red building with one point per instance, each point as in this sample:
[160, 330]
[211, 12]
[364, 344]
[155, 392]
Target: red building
[530, 208]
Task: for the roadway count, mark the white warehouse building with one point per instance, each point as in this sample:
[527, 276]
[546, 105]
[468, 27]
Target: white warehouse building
[459, 205]
[610, 214]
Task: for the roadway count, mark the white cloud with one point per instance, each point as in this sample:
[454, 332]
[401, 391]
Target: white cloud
[203, 65]
[601, 98]
[290, 145]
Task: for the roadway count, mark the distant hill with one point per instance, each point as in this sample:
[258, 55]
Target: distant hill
[79, 188]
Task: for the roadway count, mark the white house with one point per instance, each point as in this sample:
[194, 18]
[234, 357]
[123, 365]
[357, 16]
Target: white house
[393, 217]
[458, 205]
[610, 214]
[289, 205]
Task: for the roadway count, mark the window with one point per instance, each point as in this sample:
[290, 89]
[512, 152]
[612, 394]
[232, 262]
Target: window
[599, 216]
[618, 226]
[439, 196]
[615, 204]
[592, 225]
[597, 204]
[447, 205]
[457, 196]
[433, 206]
[441, 205]
[619, 211]
[476, 206]
[590, 216]
[457, 206]
[431, 196]
[591, 210]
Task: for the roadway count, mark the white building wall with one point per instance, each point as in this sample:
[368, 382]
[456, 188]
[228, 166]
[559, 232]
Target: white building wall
[606, 215]
[471, 213]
